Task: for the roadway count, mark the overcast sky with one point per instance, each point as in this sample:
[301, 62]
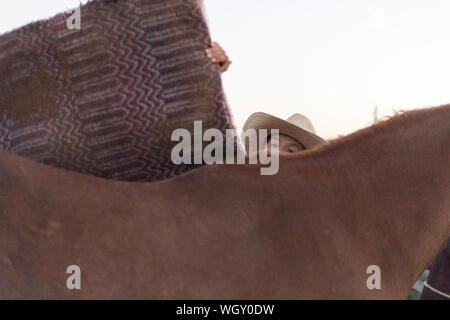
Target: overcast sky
[332, 60]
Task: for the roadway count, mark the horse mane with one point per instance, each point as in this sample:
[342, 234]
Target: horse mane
[390, 125]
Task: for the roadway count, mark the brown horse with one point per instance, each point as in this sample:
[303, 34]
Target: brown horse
[378, 197]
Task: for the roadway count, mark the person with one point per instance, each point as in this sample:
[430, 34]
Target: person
[295, 134]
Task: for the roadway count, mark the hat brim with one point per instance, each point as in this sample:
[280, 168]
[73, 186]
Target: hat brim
[261, 120]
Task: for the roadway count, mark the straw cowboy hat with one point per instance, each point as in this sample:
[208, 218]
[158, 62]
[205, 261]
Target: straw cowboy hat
[297, 126]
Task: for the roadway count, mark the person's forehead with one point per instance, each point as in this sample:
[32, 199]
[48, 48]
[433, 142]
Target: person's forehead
[283, 137]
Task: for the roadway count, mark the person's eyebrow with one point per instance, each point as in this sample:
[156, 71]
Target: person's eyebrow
[293, 144]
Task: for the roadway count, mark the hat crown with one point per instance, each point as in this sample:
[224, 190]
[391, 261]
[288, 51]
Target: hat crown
[296, 126]
[301, 121]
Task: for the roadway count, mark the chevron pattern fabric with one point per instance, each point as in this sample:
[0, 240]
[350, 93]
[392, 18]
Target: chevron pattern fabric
[104, 100]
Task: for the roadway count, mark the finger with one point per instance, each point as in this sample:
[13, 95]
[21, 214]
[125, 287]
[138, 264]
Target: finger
[214, 57]
[213, 47]
[225, 66]
[222, 58]
[218, 57]
[216, 49]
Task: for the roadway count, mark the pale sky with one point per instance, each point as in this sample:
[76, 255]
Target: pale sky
[332, 60]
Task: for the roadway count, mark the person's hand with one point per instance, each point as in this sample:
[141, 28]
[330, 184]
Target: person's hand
[218, 55]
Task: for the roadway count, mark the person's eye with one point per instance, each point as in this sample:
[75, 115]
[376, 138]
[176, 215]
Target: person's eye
[292, 149]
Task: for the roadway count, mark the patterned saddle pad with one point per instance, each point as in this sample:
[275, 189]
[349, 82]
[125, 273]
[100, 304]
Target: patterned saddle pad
[103, 100]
